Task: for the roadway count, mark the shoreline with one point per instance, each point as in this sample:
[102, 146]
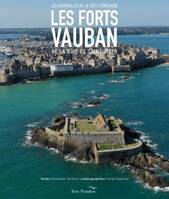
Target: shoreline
[86, 71]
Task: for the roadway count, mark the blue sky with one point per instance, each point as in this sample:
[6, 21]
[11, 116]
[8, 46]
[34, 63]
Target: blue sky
[36, 13]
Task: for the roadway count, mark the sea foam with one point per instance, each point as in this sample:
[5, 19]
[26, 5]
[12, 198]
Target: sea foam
[157, 188]
[134, 123]
[116, 81]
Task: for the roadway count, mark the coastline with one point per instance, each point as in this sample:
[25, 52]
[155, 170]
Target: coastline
[85, 71]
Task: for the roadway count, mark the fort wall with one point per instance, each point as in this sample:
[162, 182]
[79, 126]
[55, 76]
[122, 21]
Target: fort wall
[101, 137]
[105, 156]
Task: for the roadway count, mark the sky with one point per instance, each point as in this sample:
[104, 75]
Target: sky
[36, 13]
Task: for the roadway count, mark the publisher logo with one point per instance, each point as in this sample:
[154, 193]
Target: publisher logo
[87, 190]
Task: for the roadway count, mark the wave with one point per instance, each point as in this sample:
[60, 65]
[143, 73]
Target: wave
[73, 159]
[146, 139]
[76, 105]
[92, 92]
[68, 158]
[157, 189]
[132, 77]
[103, 96]
[101, 83]
[28, 137]
[165, 189]
[28, 142]
[32, 125]
[116, 81]
[134, 123]
[53, 150]
[158, 154]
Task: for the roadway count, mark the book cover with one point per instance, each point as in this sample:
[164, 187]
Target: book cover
[84, 99]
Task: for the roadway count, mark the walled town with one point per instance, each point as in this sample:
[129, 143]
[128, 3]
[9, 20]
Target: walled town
[26, 59]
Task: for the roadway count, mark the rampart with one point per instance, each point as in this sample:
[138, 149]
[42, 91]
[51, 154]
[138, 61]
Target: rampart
[105, 156]
[114, 137]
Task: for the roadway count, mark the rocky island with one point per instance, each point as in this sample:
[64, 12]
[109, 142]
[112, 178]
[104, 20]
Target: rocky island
[104, 140]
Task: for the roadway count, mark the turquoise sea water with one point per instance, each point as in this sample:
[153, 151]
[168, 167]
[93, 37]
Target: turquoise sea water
[10, 36]
[160, 41]
[141, 101]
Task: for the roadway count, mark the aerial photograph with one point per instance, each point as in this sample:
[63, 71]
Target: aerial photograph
[84, 99]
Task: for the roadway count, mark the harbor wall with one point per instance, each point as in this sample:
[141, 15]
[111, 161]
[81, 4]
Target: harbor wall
[81, 71]
[147, 63]
[122, 68]
[24, 75]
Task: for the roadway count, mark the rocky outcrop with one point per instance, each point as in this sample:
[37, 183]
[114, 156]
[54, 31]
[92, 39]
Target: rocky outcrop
[48, 138]
[151, 178]
[149, 169]
[39, 136]
[147, 166]
[84, 152]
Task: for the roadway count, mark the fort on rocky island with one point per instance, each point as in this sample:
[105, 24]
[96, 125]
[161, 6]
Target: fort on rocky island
[105, 137]
[104, 140]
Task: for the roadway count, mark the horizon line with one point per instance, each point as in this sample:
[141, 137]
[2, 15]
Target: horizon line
[131, 26]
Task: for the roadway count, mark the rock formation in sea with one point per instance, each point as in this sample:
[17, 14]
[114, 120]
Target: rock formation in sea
[104, 140]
